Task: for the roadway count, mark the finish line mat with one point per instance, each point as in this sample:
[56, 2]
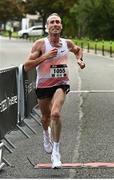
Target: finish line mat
[74, 165]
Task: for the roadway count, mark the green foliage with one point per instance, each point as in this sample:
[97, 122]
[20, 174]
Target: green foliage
[10, 10]
[89, 18]
[92, 43]
[46, 7]
[97, 18]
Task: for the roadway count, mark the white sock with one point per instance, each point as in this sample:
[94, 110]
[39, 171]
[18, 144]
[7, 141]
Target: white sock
[46, 136]
[55, 147]
[45, 132]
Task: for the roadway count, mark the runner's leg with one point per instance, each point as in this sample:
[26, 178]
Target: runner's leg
[44, 105]
[57, 102]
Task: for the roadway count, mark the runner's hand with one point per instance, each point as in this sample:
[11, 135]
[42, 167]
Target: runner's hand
[81, 63]
[52, 53]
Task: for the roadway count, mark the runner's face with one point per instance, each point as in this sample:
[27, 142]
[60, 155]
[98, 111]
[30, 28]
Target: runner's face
[54, 25]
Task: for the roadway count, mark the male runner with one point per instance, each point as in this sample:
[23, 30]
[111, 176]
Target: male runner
[50, 57]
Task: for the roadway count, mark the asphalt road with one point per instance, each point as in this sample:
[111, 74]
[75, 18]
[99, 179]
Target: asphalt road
[87, 117]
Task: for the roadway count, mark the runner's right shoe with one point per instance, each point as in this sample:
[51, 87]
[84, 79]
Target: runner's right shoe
[48, 147]
[47, 144]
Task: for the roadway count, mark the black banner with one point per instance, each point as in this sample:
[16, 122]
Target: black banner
[29, 80]
[8, 100]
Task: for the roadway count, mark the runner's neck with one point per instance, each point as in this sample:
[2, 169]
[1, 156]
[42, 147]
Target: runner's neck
[55, 40]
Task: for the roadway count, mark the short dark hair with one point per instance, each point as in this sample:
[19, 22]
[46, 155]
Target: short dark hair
[53, 14]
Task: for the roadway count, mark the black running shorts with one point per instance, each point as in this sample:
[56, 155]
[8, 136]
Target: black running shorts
[48, 92]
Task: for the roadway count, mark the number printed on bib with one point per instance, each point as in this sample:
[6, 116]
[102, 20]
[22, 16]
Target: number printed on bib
[58, 70]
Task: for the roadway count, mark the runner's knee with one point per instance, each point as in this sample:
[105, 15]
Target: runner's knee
[55, 115]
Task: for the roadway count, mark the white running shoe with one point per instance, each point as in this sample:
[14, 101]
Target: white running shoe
[56, 162]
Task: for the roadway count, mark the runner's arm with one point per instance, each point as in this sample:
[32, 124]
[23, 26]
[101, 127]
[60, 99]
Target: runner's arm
[78, 53]
[33, 60]
[36, 57]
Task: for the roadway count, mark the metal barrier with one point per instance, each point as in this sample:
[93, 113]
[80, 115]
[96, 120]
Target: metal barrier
[1, 160]
[17, 101]
[8, 100]
[28, 99]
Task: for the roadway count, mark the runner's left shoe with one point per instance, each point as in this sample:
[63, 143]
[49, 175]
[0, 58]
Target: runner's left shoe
[56, 162]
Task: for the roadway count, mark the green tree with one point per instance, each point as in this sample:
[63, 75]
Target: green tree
[96, 17]
[106, 9]
[11, 10]
[87, 16]
[45, 7]
[73, 22]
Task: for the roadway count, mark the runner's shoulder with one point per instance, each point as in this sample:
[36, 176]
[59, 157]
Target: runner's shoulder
[70, 43]
[38, 44]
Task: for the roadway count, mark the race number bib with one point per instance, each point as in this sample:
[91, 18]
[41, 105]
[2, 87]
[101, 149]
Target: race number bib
[58, 70]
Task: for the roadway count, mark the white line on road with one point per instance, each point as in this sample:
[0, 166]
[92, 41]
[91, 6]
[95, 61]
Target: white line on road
[93, 91]
[75, 156]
